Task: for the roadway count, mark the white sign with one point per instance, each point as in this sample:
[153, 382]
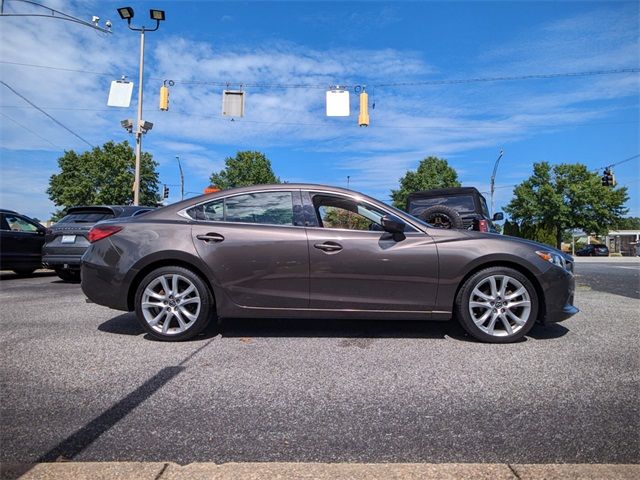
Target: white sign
[337, 103]
[120, 94]
[233, 103]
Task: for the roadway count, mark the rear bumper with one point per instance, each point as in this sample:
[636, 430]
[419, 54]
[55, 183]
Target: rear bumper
[62, 261]
[101, 287]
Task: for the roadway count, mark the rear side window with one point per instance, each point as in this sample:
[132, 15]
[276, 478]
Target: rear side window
[268, 208]
[86, 217]
[460, 203]
[18, 224]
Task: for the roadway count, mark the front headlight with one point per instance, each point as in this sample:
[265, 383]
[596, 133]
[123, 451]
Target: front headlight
[552, 257]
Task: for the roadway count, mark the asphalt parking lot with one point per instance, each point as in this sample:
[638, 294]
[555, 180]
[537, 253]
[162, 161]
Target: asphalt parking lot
[82, 382]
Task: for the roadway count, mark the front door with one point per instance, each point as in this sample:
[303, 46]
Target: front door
[354, 265]
[257, 253]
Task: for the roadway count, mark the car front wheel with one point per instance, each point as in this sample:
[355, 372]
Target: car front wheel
[173, 303]
[497, 305]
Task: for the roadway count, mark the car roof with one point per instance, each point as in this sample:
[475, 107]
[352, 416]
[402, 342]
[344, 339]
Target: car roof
[438, 192]
[115, 209]
[5, 210]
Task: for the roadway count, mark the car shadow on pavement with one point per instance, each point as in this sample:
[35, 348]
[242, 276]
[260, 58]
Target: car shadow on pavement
[126, 324]
[9, 275]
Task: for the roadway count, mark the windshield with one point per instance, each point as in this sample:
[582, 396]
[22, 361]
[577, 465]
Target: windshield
[460, 203]
[86, 217]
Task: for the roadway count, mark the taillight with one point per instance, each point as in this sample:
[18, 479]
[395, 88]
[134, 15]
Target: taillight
[483, 226]
[102, 231]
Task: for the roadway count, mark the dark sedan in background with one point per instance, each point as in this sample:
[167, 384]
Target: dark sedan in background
[593, 250]
[66, 241]
[312, 251]
[21, 240]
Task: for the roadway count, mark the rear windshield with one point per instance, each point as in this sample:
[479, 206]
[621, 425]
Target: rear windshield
[86, 217]
[460, 203]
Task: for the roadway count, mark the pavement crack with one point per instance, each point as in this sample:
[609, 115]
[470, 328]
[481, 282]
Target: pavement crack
[513, 471]
[161, 472]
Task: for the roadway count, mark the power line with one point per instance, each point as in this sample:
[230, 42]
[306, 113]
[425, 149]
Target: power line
[45, 113]
[324, 86]
[620, 162]
[30, 131]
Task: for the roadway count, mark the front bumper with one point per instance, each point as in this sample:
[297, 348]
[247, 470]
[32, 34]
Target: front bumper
[559, 287]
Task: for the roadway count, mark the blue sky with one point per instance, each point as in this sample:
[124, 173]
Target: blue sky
[593, 120]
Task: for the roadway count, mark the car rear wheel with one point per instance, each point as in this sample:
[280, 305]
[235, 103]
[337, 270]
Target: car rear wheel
[497, 305]
[68, 275]
[441, 216]
[173, 303]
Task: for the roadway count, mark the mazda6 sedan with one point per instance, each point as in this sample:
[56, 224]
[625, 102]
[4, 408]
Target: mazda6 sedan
[312, 251]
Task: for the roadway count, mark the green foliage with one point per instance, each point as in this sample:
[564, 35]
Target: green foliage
[245, 169]
[102, 176]
[565, 196]
[340, 218]
[627, 223]
[433, 172]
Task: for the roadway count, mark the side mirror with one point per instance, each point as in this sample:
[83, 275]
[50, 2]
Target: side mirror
[498, 216]
[392, 224]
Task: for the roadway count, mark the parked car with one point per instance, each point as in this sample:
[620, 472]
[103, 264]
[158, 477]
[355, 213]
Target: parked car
[593, 250]
[67, 240]
[21, 240]
[278, 251]
[459, 207]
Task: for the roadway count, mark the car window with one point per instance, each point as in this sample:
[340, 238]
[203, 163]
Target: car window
[139, 212]
[18, 224]
[86, 217]
[272, 208]
[347, 214]
[485, 210]
[460, 203]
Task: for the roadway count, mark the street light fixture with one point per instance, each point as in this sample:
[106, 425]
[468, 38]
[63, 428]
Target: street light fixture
[126, 13]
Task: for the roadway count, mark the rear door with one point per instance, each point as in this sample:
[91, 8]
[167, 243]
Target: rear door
[22, 241]
[256, 248]
[354, 265]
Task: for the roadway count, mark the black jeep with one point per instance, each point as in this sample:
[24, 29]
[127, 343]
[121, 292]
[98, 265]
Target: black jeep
[459, 207]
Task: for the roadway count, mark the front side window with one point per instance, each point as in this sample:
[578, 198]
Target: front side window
[269, 208]
[17, 224]
[346, 214]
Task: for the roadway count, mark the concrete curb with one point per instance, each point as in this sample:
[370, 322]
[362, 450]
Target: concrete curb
[317, 471]
[606, 259]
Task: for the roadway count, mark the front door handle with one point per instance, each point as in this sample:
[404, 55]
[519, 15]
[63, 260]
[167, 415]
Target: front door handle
[210, 237]
[328, 246]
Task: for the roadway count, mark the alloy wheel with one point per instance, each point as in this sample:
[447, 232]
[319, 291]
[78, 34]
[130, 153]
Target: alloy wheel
[170, 304]
[500, 305]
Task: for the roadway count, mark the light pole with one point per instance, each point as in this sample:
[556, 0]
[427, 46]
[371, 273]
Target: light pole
[126, 13]
[181, 179]
[493, 179]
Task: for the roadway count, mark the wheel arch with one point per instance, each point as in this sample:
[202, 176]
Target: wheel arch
[508, 264]
[166, 262]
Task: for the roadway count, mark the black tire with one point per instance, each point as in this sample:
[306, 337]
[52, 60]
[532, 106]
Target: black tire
[23, 272]
[500, 334]
[68, 275]
[202, 316]
[441, 216]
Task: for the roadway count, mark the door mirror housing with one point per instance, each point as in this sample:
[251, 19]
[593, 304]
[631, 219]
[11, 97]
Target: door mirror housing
[498, 216]
[392, 224]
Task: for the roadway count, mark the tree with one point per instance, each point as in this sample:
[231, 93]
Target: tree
[245, 169]
[566, 196]
[103, 176]
[627, 223]
[433, 172]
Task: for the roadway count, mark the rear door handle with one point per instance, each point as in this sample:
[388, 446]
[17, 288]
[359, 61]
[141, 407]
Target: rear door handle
[328, 246]
[210, 237]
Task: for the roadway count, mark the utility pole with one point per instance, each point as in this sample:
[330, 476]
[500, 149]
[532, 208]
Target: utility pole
[181, 179]
[493, 179]
[348, 180]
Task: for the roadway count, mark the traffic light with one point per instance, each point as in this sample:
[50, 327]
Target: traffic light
[363, 118]
[164, 98]
[608, 180]
[165, 193]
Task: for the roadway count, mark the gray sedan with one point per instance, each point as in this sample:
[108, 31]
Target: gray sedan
[312, 251]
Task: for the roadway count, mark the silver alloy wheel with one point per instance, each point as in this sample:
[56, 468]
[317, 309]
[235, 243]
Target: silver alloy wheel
[171, 304]
[500, 305]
